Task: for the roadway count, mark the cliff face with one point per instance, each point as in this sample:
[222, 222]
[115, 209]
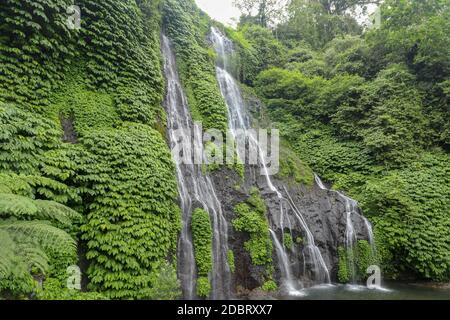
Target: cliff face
[324, 212]
[282, 227]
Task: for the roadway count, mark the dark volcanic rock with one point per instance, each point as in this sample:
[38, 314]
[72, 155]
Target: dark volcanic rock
[324, 212]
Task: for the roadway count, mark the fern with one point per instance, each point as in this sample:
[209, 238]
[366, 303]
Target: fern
[107, 80]
[7, 254]
[17, 206]
[56, 212]
[22, 207]
[30, 245]
[47, 236]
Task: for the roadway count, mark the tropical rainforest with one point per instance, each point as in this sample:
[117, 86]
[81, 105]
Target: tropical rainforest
[86, 173]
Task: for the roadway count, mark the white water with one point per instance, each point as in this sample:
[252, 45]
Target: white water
[351, 208]
[290, 285]
[239, 119]
[350, 236]
[195, 190]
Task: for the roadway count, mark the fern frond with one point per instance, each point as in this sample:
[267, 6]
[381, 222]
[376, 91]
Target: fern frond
[4, 189]
[48, 237]
[50, 210]
[22, 207]
[16, 261]
[16, 184]
[33, 256]
[12, 205]
[7, 254]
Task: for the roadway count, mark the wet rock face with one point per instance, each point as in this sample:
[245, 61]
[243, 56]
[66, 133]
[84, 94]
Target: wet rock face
[323, 210]
[325, 214]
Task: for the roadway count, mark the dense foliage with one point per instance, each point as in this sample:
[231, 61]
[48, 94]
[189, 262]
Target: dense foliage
[132, 222]
[353, 263]
[82, 125]
[86, 175]
[35, 241]
[202, 240]
[251, 219]
[368, 111]
[35, 46]
[187, 26]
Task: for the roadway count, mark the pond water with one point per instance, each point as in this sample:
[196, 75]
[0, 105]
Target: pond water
[389, 291]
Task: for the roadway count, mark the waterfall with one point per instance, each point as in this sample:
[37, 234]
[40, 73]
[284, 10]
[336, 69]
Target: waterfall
[289, 283]
[351, 209]
[240, 120]
[369, 228]
[350, 236]
[195, 189]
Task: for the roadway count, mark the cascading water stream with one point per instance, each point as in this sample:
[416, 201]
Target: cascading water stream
[195, 188]
[350, 236]
[351, 209]
[289, 283]
[239, 120]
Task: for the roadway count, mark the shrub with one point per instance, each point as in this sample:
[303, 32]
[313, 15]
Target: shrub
[203, 287]
[269, 286]
[202, 239]
[251, 218]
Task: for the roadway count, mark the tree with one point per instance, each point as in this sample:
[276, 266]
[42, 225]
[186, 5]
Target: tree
[415, 33]
[314, 22]
[340, 7]
[264, 12]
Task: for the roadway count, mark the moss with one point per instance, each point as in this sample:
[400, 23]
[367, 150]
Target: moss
[230, 258]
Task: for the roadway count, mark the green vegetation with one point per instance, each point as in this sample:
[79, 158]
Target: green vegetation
[269, 286]
[257, 50]
[251, 218]
[202, 239]
[291, 167]
[367, 111]
[114, 166]
[344, 274]
[203, 286]
[230, 258]
[287, 241]
[35, 241]
[187, 26]
[128, 199]
[358, 259]
[167, 285]
[85, 169]
[55, 290]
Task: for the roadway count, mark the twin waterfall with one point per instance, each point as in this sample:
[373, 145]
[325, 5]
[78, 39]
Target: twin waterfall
[196, 189]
